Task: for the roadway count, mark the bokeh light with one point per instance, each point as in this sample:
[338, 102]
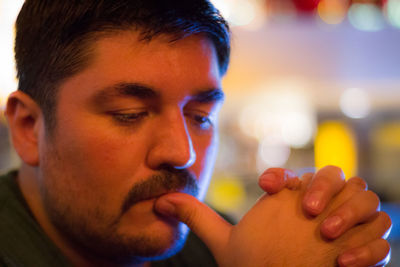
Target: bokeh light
[393, 12]
[355, 103]
[332, 11]
[306, 6]
[226, 193]
[280, 111]
[244, 13]
[224, 7]
[335, 144]
[385, 150]
[272, 153]
[297, 129]
[281, 11]
[366, 17]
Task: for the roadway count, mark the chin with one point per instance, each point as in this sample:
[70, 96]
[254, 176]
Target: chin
[159, 245]
[169, 251]
[168, 240]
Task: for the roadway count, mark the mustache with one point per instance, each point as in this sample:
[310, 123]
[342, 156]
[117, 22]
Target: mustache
[167, 180]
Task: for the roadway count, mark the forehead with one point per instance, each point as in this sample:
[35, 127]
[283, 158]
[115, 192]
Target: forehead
[181, 66]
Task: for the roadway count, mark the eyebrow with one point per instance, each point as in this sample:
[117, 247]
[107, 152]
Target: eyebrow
[145, 92]
[124, 90]
[208, 96]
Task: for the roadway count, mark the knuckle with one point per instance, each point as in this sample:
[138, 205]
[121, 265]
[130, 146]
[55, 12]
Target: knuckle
[387, 221]
[190, 217]
[367, 255]
[374, 198]
[358, 182]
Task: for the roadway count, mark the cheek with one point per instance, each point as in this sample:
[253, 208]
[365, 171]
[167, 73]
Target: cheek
[206, 154]
[103, 157]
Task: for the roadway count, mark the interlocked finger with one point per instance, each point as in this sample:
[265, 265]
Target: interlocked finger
[358, 209]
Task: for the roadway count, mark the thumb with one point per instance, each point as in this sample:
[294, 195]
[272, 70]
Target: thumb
[274, 180]
[213, 230]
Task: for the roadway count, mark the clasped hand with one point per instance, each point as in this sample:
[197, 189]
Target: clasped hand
[320, 220]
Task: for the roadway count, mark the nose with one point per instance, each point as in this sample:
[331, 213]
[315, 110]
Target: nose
[171, 144]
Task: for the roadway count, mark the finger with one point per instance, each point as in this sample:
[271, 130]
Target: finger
[352, 186]
[377, 227]
[274, 180]
[202, 220]
[375, 253]
[358, 209]
[357, 183]
[326, 183]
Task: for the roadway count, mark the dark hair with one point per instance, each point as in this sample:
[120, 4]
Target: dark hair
[53, 37]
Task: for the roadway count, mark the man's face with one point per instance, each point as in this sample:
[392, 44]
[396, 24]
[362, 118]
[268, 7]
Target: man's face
[138, 122]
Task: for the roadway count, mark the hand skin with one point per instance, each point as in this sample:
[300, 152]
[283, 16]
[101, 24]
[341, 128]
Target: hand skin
[359, 208]
[277, 232]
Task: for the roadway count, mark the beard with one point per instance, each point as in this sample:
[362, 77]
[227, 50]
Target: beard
[104, 241]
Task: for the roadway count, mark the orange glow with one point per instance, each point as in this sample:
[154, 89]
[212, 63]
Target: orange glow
[332, 11]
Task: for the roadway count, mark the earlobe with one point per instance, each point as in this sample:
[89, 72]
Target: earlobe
[24, 117]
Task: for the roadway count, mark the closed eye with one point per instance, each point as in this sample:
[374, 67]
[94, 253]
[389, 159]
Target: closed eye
[128, 118]
[199, 120]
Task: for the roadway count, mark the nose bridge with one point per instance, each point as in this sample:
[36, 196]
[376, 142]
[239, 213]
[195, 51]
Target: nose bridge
[173, 144]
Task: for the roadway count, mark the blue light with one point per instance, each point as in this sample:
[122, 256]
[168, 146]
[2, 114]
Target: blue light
[366, 17]
[393, 12]
[393, 209]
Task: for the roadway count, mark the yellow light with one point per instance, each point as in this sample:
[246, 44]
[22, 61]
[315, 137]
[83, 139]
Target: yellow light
[335, 144]
[332, 11]
[388, 135]
[226, 193]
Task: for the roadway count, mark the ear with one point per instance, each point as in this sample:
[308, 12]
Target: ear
[24, 117]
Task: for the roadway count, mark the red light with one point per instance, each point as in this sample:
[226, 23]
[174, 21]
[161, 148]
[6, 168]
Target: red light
[306, 6]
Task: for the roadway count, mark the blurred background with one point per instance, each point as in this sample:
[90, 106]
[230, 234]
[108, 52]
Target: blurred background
[311, 83]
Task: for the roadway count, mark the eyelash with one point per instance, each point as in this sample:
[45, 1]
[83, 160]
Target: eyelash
[201, 121]
[129, 118]
[204, 122]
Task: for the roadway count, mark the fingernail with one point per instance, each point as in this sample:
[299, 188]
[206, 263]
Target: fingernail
[268, 180]
[313, 201]
[165, 208]
[333, 225]
[347, 260]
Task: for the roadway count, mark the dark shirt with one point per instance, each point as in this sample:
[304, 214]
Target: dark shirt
[23, 242]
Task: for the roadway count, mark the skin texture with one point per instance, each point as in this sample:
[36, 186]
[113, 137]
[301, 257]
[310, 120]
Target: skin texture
[362, 206]
[277, 231]
[105, 144]
[98, 176]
